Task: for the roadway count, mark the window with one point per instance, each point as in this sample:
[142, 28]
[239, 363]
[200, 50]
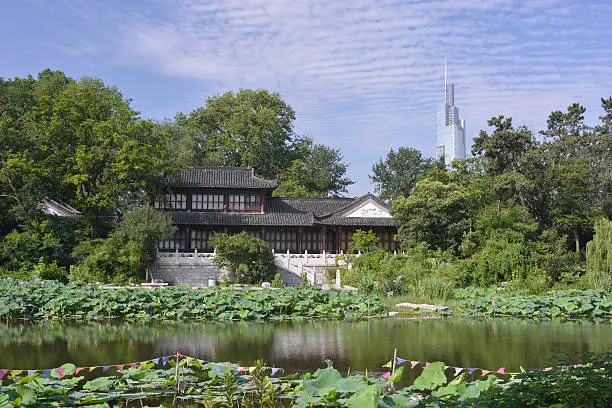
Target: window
[311, 241]
[212, 202]
[281, 241]
[244, 203]
[200, 240]
[179, 241]
[171, 201]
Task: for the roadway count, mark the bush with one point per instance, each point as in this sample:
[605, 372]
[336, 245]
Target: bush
[434, 287]
[599, 256]
[126, 253]
[248, 259]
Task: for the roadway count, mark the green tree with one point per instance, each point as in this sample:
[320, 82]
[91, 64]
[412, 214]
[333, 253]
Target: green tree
[436, 213]
[319, 173]
[399, 172]
[245, 128]
[599, 256]
[128, 250]
[248, 259]
[363, 241]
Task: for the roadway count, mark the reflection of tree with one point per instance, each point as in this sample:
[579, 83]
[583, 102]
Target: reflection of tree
[303, 345]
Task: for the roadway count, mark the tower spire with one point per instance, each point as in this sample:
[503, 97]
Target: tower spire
[445, 81]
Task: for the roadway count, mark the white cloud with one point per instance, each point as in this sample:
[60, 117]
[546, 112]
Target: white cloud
[364, 74]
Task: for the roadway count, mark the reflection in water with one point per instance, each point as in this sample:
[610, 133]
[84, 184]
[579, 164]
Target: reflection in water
[304, 345]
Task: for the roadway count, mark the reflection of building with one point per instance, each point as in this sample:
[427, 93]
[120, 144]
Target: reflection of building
[450, 128]
[208, 200]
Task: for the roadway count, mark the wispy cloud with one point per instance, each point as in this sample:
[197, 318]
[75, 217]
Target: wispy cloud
[366, 75]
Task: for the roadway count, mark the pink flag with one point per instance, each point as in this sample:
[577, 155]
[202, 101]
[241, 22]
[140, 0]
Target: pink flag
[133, 365]
[485, 372]
[239, 369]
[120, 366]
[414, 363]
[3, 373]
[427, 364]
[79, 369]
[548, 369]
[386, 375]
[60, 372]
[501, 370]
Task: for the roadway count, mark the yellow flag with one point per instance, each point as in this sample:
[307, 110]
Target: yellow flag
[389, 364]
[15, 373]
[92, 368]
[252, 370]
[143, 363]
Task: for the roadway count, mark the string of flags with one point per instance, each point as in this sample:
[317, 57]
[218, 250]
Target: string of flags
[457, 370]
[60, 371]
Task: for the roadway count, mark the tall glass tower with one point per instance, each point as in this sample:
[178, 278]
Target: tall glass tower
[450, 128]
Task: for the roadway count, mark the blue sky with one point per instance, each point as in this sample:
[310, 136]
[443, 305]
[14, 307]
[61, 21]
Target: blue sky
[362, 75]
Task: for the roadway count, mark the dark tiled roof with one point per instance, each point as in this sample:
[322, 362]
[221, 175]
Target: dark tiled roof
[219, 177]
[286, 212]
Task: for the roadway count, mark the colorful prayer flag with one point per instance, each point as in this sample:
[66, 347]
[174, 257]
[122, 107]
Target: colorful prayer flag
[485, 372]
[501, 370]
[120, 366]
[155, 361]
[275, 370]
[414, 363]
[239, 369]
[165, 360]
[15, 373]
[217, 367]
[388, 365]
[46, 373]
[252, 370]
[386, 375]
[472, 370]
[548, 369]
[458, 370]
[32, 372]
[104, 368]
[133, 365]
[143, 364]
[79, 369]
[400, 360]
[427, 364]
[60, 372]
[3, 373]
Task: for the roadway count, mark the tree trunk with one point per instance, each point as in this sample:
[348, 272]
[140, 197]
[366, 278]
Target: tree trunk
[577, 240]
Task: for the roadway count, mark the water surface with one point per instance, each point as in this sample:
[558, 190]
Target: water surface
[304, 345]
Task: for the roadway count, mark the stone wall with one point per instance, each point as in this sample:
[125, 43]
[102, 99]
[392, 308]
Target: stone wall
[194, 269]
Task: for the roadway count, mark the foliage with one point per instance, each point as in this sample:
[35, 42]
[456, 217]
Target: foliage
[363, 241]
[248, 259]
[399, 172]
[572, 303]
[127, 252]
[319, 172]
[599, 256]
[38, 300]
[419, 272]
[245, 128]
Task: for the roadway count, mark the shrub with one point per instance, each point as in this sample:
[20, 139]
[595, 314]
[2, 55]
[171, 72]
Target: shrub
[599, 256]
[249, 259]
[363, 241]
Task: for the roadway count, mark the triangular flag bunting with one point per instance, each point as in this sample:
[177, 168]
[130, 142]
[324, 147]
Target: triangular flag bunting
[143, 364]
[427, 365]
[188, 360]
[104, 368]
[46, 373]
[485, 372]
[414, 363]
[165, 360]
[217, 367]
[548, 369]
[388, 365]
[178, 356]
[60, 372]
[93, 368]
[458, 370]
[472, 370]
[133, 365]
[400, 360]
[15, 373]
[120, 366]
[252, 370]
[386, 375]
[3, 373]
[239, 369]
[79, 369]
[501, 370]
[32, 372]
[275, 370]
[155, 361]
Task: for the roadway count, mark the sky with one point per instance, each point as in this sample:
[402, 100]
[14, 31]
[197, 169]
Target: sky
[363, 76]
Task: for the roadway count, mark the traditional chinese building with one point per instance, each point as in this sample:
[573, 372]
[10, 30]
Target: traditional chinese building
[208, 200]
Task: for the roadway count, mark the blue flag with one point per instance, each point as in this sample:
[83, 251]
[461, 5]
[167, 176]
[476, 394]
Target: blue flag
[46, 373]
[275, 370]
[399, 361]
[165, 360]
[472, 370]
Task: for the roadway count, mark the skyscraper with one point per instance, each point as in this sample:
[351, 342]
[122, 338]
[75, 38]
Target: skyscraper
[450, 128]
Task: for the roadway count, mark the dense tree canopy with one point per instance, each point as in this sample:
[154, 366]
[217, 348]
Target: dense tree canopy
[399, 172]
